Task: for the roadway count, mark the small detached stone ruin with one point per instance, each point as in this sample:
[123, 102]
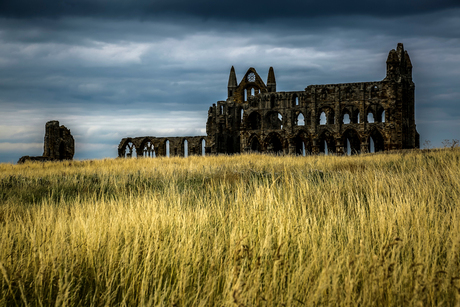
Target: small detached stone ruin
[59, 144]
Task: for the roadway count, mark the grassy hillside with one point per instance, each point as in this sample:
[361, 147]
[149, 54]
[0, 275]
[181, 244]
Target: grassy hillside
[250, 230]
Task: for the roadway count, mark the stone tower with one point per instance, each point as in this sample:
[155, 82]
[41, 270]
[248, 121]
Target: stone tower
[58, 144]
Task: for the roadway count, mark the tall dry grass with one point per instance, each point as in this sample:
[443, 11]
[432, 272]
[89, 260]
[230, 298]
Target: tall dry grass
[249, 230]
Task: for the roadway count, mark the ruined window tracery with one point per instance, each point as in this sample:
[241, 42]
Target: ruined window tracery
[251, 77]
[326, 116]
[300, 120]
[149, 150]
[130, 150]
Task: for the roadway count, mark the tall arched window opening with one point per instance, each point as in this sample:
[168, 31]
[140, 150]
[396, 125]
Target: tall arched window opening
[300, 120]
[130, 150]
[370, 118]
[322, 118]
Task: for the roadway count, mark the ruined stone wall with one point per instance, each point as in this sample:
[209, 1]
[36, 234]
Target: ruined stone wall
[334, 118]
[59, 144]
[150, 146]
[338, 118]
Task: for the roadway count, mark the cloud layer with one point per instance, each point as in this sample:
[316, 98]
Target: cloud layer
[108, 71]
[223, 10]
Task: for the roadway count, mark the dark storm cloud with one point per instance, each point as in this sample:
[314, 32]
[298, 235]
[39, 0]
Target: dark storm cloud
[112, 69]
[211, 9]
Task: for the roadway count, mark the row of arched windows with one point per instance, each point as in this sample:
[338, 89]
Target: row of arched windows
[149, 150]
[274, 120]
[350, 140]
[347, 93]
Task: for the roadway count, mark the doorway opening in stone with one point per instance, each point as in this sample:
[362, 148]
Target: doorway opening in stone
[255, 144]
[274, 144]
[61, 151]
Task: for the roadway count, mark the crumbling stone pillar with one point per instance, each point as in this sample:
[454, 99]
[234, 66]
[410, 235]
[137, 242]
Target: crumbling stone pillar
[58, 144]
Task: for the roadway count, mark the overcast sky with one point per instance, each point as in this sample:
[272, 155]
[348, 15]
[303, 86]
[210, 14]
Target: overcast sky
[109, 69]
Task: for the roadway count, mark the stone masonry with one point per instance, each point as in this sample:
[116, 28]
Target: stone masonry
[348, 118]
[58, 144]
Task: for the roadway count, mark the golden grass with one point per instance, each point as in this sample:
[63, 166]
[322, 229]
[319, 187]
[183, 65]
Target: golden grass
[249, 230]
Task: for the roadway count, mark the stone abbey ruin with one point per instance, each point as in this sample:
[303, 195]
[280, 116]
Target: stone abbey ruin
[347, 118]
[58, 144]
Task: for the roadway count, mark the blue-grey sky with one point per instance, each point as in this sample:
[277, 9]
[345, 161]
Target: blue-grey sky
[118, 68]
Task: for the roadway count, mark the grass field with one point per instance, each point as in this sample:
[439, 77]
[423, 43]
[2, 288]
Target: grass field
[249, 230]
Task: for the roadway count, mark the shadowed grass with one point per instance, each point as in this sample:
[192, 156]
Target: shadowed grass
[247, 230]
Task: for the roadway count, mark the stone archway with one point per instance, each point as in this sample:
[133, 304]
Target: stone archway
[274, 144]
[376, 141]
[351, 142]
[326, 143]
[303, 144]
[254, 144]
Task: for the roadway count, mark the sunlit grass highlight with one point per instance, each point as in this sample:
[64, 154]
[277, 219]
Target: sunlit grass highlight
[249, 230]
